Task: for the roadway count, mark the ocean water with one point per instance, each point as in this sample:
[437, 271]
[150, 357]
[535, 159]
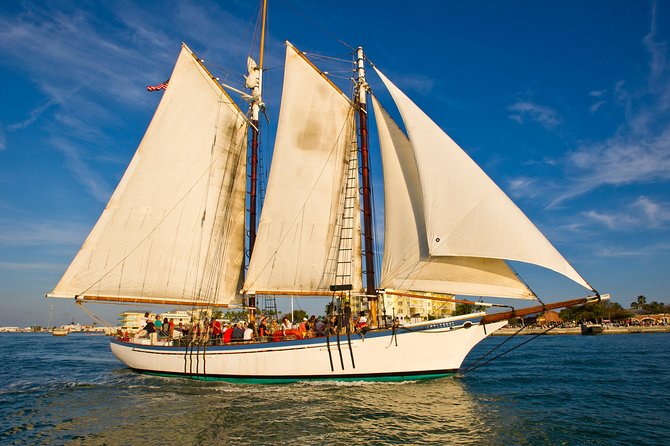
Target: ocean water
[556, 390]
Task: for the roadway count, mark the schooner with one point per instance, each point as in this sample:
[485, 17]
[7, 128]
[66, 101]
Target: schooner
[173, 232]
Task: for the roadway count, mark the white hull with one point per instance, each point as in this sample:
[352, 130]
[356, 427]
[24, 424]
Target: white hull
[431, 349]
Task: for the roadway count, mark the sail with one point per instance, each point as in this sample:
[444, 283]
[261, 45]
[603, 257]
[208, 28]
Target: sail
[407, 264]
[173, 231]
[298, 241]
[466, 213]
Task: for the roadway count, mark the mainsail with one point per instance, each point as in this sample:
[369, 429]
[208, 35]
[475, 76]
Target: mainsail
[466, 214]
[173, 231]
[407, 264]
[299, 234]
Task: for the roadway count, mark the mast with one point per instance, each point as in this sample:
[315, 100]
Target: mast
[361, 98]
[256, 105]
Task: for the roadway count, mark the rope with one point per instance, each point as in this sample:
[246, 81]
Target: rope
[481, 358]
[93, 316]
[476, 366]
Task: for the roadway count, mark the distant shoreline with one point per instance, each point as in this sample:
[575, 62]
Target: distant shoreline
[578, 331]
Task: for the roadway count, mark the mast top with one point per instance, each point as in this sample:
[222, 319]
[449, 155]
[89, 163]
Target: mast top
[260, 58]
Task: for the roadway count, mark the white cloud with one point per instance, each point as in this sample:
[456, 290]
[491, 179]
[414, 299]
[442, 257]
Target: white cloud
[657, 214]
[623, 159]
[639, 150]
[636, 252]
[526, 110]
[87, 68]
[32, 116]
[81, 170]
[416, 82]
[612, 221]
[18, 266]
[656, 49]
[594, 108]
[39, 233]
[597, 93]
[641, 214]
[523, 187]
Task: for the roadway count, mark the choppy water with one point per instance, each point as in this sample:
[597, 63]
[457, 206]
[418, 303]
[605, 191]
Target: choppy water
[573, 390]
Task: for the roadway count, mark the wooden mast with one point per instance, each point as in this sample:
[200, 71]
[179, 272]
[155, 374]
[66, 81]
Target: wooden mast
[253, 187]
[361, 100]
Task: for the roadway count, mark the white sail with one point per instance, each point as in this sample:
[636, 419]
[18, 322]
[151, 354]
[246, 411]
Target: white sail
[466, 213]
[407, 264]
[297, 244]
[173, 231]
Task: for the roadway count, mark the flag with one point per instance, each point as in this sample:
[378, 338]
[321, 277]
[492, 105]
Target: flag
[158, 87]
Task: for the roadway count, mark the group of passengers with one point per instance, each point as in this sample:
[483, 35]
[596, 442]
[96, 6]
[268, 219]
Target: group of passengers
[214, 332]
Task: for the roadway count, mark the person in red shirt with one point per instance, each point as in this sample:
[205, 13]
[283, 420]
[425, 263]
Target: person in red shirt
[215, 326]
[227, 334]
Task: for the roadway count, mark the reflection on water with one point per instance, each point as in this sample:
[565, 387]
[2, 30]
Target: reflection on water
[561, 391]
[119, 412]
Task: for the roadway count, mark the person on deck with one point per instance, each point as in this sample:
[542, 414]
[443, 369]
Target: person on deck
[262, 328]
[170, 328]
[227, 334]
[248, 332]
[238, 332]
[158, 325]
[150, 329]
[362, 324]
[285, 324]
[334, 326]
[302, 328]
[346, 318]
[273, 327]
[215, 326]
[320, 327]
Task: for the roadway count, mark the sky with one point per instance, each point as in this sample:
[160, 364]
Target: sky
[565, 104]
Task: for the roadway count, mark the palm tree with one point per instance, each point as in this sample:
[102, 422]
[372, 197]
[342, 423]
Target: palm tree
[641, 300]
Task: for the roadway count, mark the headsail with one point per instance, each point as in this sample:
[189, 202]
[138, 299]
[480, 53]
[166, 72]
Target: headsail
[407, 263]
[466, 213]
[173, 230]
[296, 248]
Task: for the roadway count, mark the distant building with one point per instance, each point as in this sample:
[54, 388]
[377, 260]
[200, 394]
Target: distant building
[412, 309]
[177, 316]
[652, 319]
[131, 321]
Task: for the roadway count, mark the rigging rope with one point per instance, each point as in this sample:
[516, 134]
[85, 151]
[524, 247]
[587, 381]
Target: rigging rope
[93, 316]
[478, 364]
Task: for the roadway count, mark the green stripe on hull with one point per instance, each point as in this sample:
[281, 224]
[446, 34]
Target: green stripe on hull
[234, 380]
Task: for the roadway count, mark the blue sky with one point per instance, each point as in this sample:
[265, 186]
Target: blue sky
[565, 104]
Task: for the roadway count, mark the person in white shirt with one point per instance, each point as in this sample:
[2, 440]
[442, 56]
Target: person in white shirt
[248, 333]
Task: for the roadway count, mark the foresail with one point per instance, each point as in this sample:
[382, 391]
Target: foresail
[298, 239]
[407, 264]
[173, 231]
[466, 213]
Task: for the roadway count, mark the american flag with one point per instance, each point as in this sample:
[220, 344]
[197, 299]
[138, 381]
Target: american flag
[158, 87]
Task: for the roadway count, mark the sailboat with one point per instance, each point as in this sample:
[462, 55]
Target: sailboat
[173, 232]
[56, 331]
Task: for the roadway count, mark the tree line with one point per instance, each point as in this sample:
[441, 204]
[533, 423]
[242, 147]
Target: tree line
[613, 311]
